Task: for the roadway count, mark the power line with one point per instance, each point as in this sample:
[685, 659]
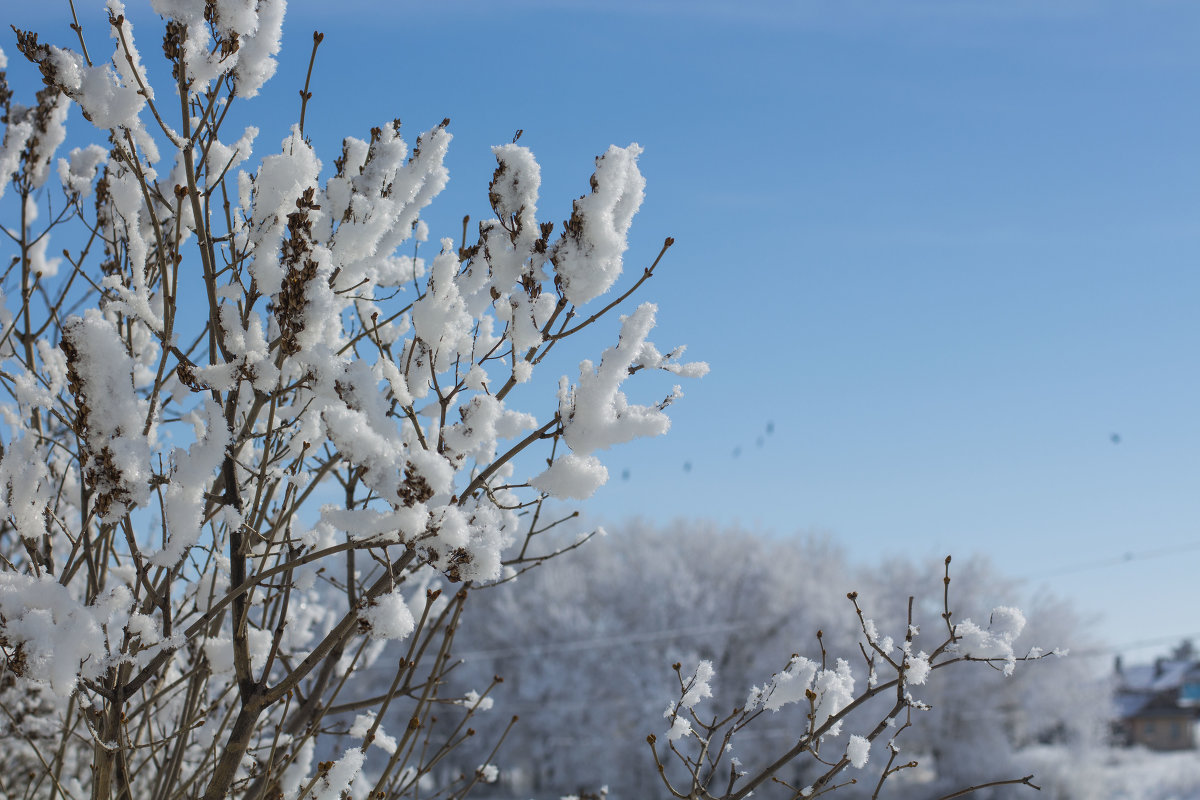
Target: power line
[668, 634]
[605, 641]
[1114, 561]
[1114, 649]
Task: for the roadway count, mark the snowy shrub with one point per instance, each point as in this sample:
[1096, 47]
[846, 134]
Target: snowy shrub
[256, 427]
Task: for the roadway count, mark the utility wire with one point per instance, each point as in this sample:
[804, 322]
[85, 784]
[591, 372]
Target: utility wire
[1114, 649]
[604, 641]
[591, 643]
[1113, 561]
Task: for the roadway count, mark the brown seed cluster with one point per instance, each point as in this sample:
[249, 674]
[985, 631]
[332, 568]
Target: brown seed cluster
[100, 472]
[173, 41]
[459, 558]
[226, 44]
[38, 53]
[415, 489]
[15, 660]
[301, 269]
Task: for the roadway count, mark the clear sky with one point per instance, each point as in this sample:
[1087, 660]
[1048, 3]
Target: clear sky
[942, 256]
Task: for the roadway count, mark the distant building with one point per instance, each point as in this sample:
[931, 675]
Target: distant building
[1158, 704]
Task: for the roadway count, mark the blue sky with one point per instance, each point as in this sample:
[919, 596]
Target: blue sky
[944, 250]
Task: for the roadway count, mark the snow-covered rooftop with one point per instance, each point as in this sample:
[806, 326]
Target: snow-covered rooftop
[1157, 677]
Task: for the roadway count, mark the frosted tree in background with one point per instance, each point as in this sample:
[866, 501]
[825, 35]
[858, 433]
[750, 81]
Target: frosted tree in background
[612, 616]
[259, 436]
[842, 707]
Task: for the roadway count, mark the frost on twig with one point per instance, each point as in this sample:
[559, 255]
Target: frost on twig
[838, 719]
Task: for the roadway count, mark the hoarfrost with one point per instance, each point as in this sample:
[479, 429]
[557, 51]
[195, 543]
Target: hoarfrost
[996, 641]
[588, 256]
[388, 617]
[572, 477]
[858, 749]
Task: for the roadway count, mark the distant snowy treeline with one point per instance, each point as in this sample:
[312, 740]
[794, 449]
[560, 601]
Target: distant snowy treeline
[586, 652]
